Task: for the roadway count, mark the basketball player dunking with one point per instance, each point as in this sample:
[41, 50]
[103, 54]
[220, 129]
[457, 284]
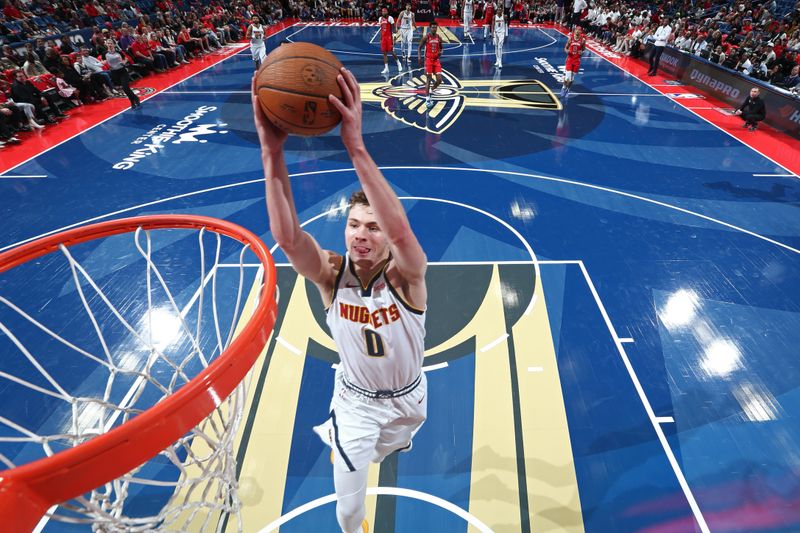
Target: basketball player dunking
[387, 41]
[255, 32]
[375, 295]
[576, 44]
[407, 28]
[433, 65]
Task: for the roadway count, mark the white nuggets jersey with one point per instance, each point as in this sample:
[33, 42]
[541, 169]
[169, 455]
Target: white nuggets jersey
[500, 27]
[406, 20]
[257, 35]
[379, 336]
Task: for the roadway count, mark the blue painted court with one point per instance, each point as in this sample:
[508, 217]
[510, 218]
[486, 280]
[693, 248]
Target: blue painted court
[614, 314]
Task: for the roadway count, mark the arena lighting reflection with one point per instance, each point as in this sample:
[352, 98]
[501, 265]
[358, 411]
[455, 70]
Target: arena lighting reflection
[757, 405]
[680, 309]
[720, 358]
[522, 210]
[166, 327]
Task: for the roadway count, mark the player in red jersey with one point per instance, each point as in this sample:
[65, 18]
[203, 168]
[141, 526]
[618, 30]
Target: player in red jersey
[387, 41]
[576, 44]
[433, 66]
[488, 19]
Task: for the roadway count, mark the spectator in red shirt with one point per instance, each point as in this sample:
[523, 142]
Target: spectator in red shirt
[192, 45]
[140, 50]
[90, 10]
[11, 11]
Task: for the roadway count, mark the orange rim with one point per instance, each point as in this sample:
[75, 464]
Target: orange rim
[27, 491]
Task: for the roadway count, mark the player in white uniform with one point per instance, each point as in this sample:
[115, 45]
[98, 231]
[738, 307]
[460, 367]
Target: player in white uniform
[466, 14]
[255, 32]
[407, 27]
[499, 36]
[375, 295]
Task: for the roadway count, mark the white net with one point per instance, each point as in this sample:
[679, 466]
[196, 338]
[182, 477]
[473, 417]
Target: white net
[102, 331]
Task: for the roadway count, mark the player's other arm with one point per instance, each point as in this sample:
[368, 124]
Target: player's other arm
[421, 46]
[249, 32]
[406, 250]
[306, 256]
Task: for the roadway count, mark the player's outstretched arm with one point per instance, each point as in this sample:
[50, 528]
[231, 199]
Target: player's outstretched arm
[306, 256]
[406, 250]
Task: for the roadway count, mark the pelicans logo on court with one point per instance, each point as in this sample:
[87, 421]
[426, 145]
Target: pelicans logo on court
[403, 98]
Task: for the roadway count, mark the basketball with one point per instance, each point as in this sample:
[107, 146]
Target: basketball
[293, 85]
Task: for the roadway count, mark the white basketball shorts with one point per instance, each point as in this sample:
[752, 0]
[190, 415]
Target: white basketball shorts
[361, 430]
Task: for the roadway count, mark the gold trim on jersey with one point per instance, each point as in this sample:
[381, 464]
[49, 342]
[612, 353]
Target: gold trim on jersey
[368, 287]
[406, 304]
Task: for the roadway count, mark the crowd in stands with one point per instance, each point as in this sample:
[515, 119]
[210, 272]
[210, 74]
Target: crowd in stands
[56, 57]
[750, 37]
[48, 66]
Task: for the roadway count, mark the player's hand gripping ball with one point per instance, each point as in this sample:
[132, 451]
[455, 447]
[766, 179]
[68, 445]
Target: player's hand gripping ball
[292, 87]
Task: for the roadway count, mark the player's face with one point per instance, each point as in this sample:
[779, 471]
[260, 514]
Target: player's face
[365, 240]
[384, 12]
[433, 29]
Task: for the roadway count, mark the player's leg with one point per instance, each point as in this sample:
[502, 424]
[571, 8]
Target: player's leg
[351, 491]
[262, 54]
[409, 38]
[428, 84]
[409, 413]
[397, 60]
[498, 50]
[567, 82]
[438, 80]
[385, 63]
[397, 437]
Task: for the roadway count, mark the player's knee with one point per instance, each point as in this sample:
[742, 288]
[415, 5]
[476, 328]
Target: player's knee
[350, 510]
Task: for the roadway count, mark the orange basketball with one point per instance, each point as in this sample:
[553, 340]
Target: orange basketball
[293, 85]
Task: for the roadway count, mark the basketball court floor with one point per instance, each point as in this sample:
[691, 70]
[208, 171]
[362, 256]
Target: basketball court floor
[613, 321]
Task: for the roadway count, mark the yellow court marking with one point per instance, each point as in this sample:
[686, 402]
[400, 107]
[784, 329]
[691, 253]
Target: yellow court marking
[553, 497]
[437, 109]
[494, 491]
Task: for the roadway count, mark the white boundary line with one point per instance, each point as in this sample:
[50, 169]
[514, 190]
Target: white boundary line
[22, 176]
[286, 344]
[388, 491]
[460, 169]
[687, 491]
[665, 420]
[776, 175]
[625, 340]
[677, 101]
[148, 97]
[494, 343]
